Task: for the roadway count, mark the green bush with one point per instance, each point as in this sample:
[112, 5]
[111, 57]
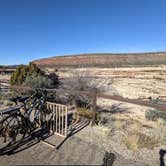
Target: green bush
[38, 82]
[153, 115]
[30, 75]
[22, 71]
[54, 78]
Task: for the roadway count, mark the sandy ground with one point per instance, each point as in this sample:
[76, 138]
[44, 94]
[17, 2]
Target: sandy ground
[128, 82]
[131, 83]
[4, 77]
[86, 147]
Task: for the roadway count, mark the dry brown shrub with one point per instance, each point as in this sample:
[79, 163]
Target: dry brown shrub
[135, 140]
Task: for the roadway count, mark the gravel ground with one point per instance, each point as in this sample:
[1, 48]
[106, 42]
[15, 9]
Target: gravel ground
[87, 147]
[73, 151]
[100, 136]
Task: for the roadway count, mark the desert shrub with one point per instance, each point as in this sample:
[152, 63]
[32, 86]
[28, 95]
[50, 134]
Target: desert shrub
[116, 108]
[31, 75]
[87, 113]
[102, 119]
[119, 124]
[131, 142]
[153, 115]
[83, 101]
[84, 112]
[98, 119]
[133, 125]
[147, 141]
[161, 121]
[162, 115]
[22, 71]
[54, 78]
[80, 80]
[38, 82]
[135, 140]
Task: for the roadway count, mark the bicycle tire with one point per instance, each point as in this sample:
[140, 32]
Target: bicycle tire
[11, 133]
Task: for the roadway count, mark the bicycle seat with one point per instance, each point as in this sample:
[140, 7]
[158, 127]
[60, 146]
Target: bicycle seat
[15, 99]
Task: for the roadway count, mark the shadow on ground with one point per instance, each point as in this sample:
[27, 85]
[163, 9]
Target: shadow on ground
[75, 128]
[42, 135]
[108, 159]
[162, 154]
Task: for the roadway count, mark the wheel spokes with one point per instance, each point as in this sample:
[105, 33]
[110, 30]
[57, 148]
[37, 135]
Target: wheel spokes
[10, 131]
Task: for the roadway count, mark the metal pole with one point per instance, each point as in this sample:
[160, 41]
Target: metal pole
[94, 100]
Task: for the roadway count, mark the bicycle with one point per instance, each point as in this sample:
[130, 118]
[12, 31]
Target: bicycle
[22, 120]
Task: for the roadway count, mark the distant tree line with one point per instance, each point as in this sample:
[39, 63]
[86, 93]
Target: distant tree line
[8, 67]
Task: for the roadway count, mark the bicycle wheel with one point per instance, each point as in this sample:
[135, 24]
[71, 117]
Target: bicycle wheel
[11, 132]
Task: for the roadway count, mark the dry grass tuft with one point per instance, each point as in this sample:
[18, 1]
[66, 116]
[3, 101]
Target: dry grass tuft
[8, 103]
[131, 141]
[119, 124]
[135, 140]
[85, 112]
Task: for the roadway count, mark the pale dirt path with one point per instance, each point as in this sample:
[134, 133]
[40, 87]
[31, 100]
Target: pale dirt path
[75, 151]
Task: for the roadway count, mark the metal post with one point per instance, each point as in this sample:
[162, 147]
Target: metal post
[56, 114]
[53, 124]
[94, 100]
[66, 121]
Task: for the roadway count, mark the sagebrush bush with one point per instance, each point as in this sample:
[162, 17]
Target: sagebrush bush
[22, 71]
[147, 141]
[38, 82]
[31, 75]
[80, 80]
[102, 119]
[153, 115]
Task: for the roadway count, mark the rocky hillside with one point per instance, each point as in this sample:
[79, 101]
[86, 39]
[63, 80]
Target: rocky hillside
[105, 60]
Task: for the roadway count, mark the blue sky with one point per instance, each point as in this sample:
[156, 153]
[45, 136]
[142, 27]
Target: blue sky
[33, 29]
